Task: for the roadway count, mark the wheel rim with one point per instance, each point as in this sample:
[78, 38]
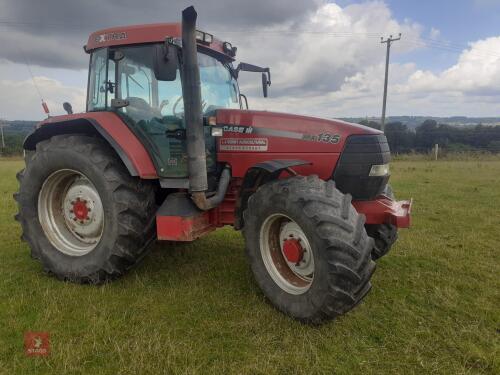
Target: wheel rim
[70, 212]
[287, 254]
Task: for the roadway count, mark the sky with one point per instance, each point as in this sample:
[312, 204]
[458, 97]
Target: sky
[325, 56]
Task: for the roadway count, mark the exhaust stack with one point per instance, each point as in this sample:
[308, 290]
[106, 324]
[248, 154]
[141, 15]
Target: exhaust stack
[197, 164]
[191, 91]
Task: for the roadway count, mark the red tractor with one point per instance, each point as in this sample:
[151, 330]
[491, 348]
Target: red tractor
[167, 150]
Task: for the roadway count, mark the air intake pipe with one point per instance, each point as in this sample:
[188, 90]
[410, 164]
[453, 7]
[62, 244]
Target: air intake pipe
[191, 91]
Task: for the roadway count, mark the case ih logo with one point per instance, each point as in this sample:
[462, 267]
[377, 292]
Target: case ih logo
[243, 144]
[36, 344]
[110, 36]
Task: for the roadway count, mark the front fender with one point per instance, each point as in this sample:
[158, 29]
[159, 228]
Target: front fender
[257, 175]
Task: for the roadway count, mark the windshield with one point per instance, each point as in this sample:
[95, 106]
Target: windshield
[132, 78]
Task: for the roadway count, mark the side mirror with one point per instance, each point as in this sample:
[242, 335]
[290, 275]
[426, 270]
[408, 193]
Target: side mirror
[265, 84]
[68, 108]
[165, 62]
[266, 74]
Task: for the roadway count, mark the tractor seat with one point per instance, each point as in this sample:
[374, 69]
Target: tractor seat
[139, 109]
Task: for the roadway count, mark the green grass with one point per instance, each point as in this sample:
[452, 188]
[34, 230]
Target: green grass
[194, 308]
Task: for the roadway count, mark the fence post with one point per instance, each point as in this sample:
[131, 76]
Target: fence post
[436, 151]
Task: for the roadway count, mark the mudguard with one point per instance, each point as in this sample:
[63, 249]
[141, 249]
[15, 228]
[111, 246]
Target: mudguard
[257, 175]
[105, 124]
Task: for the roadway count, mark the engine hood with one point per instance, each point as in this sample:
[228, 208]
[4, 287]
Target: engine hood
[257, 136]
[315, 134]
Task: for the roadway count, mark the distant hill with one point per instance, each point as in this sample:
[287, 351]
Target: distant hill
[414, 121]
[19, 127]
[24, 127]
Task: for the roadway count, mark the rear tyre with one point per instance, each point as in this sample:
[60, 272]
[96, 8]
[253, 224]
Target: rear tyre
[384, 235]
[308, 248]
[84, 217]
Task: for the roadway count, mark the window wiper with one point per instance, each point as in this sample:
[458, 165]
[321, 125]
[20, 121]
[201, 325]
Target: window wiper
[138, 84]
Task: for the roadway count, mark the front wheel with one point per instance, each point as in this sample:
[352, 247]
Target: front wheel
[85, 218]
[308, 249]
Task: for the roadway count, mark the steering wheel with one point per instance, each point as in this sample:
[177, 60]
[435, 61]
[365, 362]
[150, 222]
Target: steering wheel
[181, 114]
[163, 104]
[174, 107]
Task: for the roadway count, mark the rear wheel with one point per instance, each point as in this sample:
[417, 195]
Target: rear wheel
[82, 214]
[308, 248]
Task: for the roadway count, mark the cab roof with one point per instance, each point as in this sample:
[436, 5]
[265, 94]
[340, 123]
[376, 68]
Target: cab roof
[149, 33]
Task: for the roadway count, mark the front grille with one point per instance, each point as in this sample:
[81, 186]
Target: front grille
[352, 172]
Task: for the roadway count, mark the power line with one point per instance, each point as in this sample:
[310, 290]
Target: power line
[450, 48]
[421, 41]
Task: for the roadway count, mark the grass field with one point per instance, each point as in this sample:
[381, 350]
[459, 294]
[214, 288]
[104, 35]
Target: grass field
[194, 308]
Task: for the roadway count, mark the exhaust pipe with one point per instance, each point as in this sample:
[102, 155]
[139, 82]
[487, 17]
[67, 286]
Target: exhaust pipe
[191, 91]
[197, 164]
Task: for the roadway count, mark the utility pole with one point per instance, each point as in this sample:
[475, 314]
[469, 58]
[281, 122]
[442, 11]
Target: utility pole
[3, 139]
[388, 41]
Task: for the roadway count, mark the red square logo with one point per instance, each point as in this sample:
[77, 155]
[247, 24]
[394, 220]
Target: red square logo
[36, 343]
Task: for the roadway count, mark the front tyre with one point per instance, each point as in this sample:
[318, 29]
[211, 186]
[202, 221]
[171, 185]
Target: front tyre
[308, 249]
[85, 218]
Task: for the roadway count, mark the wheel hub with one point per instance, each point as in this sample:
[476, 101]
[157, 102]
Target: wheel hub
[80, 210]
[71, 213]
[287, 254]
[296, 250]
[293, 251]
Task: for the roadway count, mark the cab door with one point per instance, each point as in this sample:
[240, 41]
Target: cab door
[155, 108]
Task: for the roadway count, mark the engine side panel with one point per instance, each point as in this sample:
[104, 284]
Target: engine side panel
[251, 137]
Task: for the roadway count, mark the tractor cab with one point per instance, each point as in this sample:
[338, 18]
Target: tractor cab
[143, 85]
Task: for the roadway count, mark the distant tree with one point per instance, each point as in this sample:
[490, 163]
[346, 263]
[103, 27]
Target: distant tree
[425, 135]
[13, 144]
[399, 137]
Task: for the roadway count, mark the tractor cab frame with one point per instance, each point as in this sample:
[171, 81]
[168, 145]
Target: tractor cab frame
[142, 84]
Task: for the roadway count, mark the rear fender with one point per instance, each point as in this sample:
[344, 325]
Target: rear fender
[105, 125]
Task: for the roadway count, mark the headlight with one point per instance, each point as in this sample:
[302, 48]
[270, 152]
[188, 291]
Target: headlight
[204, 37]
[216, 132]
[379, 170]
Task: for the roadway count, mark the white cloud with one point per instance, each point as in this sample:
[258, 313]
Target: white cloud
[20, 100]
[327, 63]
[476, 72]
[471, 86]
[317, 54]
[434, 33]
